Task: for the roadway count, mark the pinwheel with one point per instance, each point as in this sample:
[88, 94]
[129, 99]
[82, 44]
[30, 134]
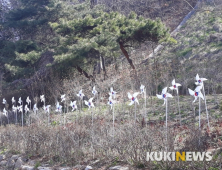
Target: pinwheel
[58, 108]
[200, 82]
[21, 108]
[5, 113]
[63, 97]
[94, 92]
[143, 91]
[42, 98]
[13, 100]
[197, 94]
[35, 109]
[164, 95]
[14, 109]
[89, 103]
[175, 87]
[73, 105]
[28, 100]
[26, 108]
[80, 95]
[20, 101]
[112, 93]
[134, 100]
[46, 108]
[4, 101]
[111, 103]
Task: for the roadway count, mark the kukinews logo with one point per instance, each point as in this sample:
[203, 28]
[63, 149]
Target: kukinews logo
[177, 156]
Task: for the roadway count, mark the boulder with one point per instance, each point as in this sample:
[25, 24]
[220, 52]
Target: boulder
[217, 27]
[2, 157]
[10, 164]
[26, 167]
[3, 163]
[18, 163]
[43, 168]
[118, 168]
[15, 157]
[215, 37]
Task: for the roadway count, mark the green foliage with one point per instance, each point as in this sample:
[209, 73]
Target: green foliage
[184, 52]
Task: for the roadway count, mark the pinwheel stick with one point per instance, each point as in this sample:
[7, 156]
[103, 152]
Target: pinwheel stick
[199, 117]
[199, 112]
[166, 126]
[206, 106]
[145, 106]
[179, 106]
[135, 113]
[113, 123]
[92, 134]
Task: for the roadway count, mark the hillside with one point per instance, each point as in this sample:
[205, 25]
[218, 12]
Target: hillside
[118, 138]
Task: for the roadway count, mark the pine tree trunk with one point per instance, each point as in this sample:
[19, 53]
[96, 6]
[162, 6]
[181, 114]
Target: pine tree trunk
[126, 55]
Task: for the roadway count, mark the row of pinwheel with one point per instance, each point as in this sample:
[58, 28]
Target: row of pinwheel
[112, 95]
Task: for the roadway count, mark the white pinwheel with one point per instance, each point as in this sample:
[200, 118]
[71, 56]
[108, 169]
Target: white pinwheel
[19, 108]
[112, 92]
[196, 93]
[28, 100]
[80, 94]
[35, 108]
[58, 108]
[46, 108]
[63, 97]
[73, 105]
[42, 98]
[13, 100]
[94, 92]
[89, 103]
[14, 109]
[199, 80]
[4, 101]
[26, 108]
[20, 101]
[174, 86]
[5, 112]
[111, 102]
[164, 95]
[142, 89]
[133, 98]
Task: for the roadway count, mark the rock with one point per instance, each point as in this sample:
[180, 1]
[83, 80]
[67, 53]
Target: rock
[67, 168]
[3, 163]
[24, 159]
[43, 168]
[32, 162]
[10, 164]
[215, 37]
[119, 168]
[217, 27]
[25, 167]
[15, 157]
[2, 157]
[18, 163]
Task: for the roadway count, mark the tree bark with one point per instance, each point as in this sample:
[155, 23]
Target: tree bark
[81, 71]
[126, 55]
